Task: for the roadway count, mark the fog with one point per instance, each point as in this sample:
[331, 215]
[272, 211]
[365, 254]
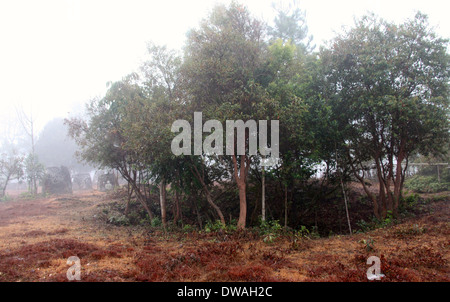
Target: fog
[56, 55]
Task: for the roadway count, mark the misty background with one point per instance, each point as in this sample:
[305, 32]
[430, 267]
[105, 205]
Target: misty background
[57, 55]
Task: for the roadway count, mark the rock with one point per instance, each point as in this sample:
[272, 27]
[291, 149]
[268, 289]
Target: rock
[106, 182]
[82, 181]
[57, 180]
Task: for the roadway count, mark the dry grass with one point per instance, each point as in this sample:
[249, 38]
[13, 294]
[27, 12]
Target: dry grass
[37, 237]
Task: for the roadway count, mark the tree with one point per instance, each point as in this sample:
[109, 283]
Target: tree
[102, 137]
[33, 168]
[149, 133]
[10, 168]
[55, 148]
[388, 89]
[34, 171]
[285, 88]
[290, 25]
[220, 73]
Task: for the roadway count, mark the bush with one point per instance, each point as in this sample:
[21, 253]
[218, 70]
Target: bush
[270, 230]
[214, 226]
[119, 220]
[156, 222]
[187, 228]
[426, 184]
[375, 223]
[5, 197]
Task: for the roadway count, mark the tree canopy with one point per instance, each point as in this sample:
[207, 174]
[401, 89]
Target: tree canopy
[373, 98]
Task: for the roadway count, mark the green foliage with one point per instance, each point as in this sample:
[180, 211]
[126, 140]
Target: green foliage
[11, 167]
[413, 230]
[426, 184]
[214, 226]
[270, 230]
[5, 197]
[378, 93]
[388, 91]
[187, 228]
[119, 220]
[375, 223]
[369, 244]
[290, 25]
[270, 226]
[28, 195]
[156, 222]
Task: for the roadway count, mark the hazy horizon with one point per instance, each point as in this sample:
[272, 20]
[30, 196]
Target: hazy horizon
[56, 55]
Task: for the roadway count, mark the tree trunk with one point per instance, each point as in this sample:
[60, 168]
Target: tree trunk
[343, 191]
[197, 212]
[177, 209]
[129, 193]
[398, 183]
[162, 200]
[263, 197]
[346, 206]
[241, 183]
[208, 195]
[242, 207]
[376, 208]
[381, 193]
[285, 206]
[131, 180]
[8, 177]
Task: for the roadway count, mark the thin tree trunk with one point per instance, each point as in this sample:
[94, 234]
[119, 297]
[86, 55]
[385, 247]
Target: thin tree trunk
[382, 192]
[242, 207]
[129, 193]
[263, 197]
[438, 174]
[373, 198]
[346, 206]
[177, 211]
[208, 195]
[285, 206]
[241, 183]
[343, 191]
[398, 183]
[4, 187]
[137, 190]
[199, 219]
[162, 200]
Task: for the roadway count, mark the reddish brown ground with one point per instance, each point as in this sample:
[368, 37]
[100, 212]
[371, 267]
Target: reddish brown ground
[37, 237]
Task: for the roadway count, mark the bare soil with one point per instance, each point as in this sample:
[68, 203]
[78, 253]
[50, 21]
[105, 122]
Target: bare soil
[38, 236]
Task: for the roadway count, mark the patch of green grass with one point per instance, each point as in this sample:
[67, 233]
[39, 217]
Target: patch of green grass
[426, 184]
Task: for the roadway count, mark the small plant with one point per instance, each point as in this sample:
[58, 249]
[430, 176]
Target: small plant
[410, 231]
[156, 222]
[389, 220]
[368, 244]
[214, 226]
[187, 228]
[299, 236]
[269, 238]
[426, 184]
[272, 226]
[27, 195]
[119, 220]
[364, 226]
[5, 197]
[270, 230]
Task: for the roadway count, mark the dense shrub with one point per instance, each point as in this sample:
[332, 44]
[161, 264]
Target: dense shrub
[426, 184]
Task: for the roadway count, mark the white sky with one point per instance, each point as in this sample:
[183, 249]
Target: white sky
[55, 54]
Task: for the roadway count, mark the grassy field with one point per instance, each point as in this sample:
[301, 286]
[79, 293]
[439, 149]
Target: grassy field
[37, 236]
